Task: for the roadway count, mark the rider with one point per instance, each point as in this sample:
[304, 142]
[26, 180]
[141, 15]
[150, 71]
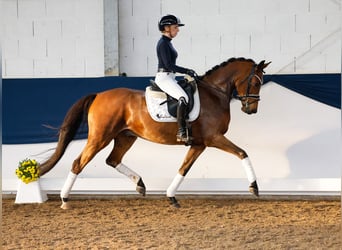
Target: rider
[167, 68]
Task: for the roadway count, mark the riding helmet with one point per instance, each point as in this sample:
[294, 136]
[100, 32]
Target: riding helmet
[169, 20]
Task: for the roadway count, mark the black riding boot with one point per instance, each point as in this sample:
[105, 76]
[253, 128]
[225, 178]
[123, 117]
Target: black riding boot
[182, 135]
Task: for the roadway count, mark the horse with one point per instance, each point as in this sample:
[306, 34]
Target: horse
[120, 114]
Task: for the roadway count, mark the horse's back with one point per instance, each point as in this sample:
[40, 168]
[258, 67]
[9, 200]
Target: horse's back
[119, 93]
[114, 104]
[116, 96]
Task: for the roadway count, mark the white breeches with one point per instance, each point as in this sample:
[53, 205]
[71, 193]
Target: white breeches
[168, 83]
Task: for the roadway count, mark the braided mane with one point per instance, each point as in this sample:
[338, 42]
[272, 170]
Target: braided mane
[230, 60]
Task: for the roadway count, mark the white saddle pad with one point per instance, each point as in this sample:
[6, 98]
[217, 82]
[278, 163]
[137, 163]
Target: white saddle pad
[160, 113]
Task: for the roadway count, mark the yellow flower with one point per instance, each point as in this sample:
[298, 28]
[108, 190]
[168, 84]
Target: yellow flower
[28, 170]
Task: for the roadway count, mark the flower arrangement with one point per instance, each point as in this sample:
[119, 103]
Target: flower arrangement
[28, 170]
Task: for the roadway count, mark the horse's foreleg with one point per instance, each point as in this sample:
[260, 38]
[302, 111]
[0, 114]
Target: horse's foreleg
[221, 142]
[193, 153]
[122, 144]
[247, 165]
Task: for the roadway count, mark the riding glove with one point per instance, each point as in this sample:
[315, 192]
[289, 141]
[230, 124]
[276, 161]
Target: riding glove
[192, 73]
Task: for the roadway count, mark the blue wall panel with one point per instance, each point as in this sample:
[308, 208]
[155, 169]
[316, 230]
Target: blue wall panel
[29, 104]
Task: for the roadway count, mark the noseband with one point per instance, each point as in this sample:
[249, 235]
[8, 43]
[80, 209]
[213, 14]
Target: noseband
[245, 98]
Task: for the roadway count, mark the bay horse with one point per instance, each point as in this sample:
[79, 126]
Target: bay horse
[121, 115]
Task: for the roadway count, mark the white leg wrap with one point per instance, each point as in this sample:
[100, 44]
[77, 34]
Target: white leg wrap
[68, 185]
[246, 163]
[171, 191]
[123, 169]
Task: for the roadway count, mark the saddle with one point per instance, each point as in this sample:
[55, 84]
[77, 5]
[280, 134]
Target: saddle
[172, 103]
[163, 108]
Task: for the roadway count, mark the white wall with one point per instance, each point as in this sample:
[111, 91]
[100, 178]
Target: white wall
[51, 38]
[298, 36]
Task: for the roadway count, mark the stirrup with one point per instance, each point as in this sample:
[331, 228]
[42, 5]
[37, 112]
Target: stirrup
[184, 137]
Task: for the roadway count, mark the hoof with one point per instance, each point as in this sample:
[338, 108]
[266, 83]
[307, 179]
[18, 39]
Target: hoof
[174, 202]
[141, 189]
[253, 188]
[65, 205]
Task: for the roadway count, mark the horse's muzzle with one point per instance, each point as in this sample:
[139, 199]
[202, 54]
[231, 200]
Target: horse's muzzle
[249, 108]
[249, 111]
[249, 103]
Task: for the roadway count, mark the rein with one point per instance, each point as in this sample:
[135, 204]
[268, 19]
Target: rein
[213, 87]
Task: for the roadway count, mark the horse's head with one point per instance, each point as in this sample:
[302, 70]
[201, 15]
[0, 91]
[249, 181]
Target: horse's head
[248, 83]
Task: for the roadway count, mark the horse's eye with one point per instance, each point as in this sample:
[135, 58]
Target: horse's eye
[256, 83]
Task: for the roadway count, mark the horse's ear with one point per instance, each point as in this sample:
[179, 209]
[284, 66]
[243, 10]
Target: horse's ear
[262, 65]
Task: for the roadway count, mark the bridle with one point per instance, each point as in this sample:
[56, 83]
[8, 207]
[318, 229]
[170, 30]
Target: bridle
[245, 98]
[249, 82]
[242, 98]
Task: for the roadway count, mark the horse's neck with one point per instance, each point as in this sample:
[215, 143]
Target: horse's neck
[218, 95]
[220, 86]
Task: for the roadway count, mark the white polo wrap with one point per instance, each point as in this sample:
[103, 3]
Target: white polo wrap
[246, 163]
[123, 169]
[68, 185]
[171, 191]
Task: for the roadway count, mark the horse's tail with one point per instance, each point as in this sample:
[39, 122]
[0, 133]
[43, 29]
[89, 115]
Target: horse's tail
[72, 121]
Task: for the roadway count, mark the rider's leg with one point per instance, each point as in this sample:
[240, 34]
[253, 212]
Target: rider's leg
[168, 83]
[182, 134]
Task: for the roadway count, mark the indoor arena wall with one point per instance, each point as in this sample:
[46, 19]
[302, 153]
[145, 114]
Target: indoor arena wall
[43, 38]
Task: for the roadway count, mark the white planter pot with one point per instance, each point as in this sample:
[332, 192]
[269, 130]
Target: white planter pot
[30, 193]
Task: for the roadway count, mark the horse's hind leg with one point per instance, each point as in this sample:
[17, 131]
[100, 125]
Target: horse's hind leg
[122, 143]
[90, 150]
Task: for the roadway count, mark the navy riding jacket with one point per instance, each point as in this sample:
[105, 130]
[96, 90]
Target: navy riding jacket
[167, 56]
